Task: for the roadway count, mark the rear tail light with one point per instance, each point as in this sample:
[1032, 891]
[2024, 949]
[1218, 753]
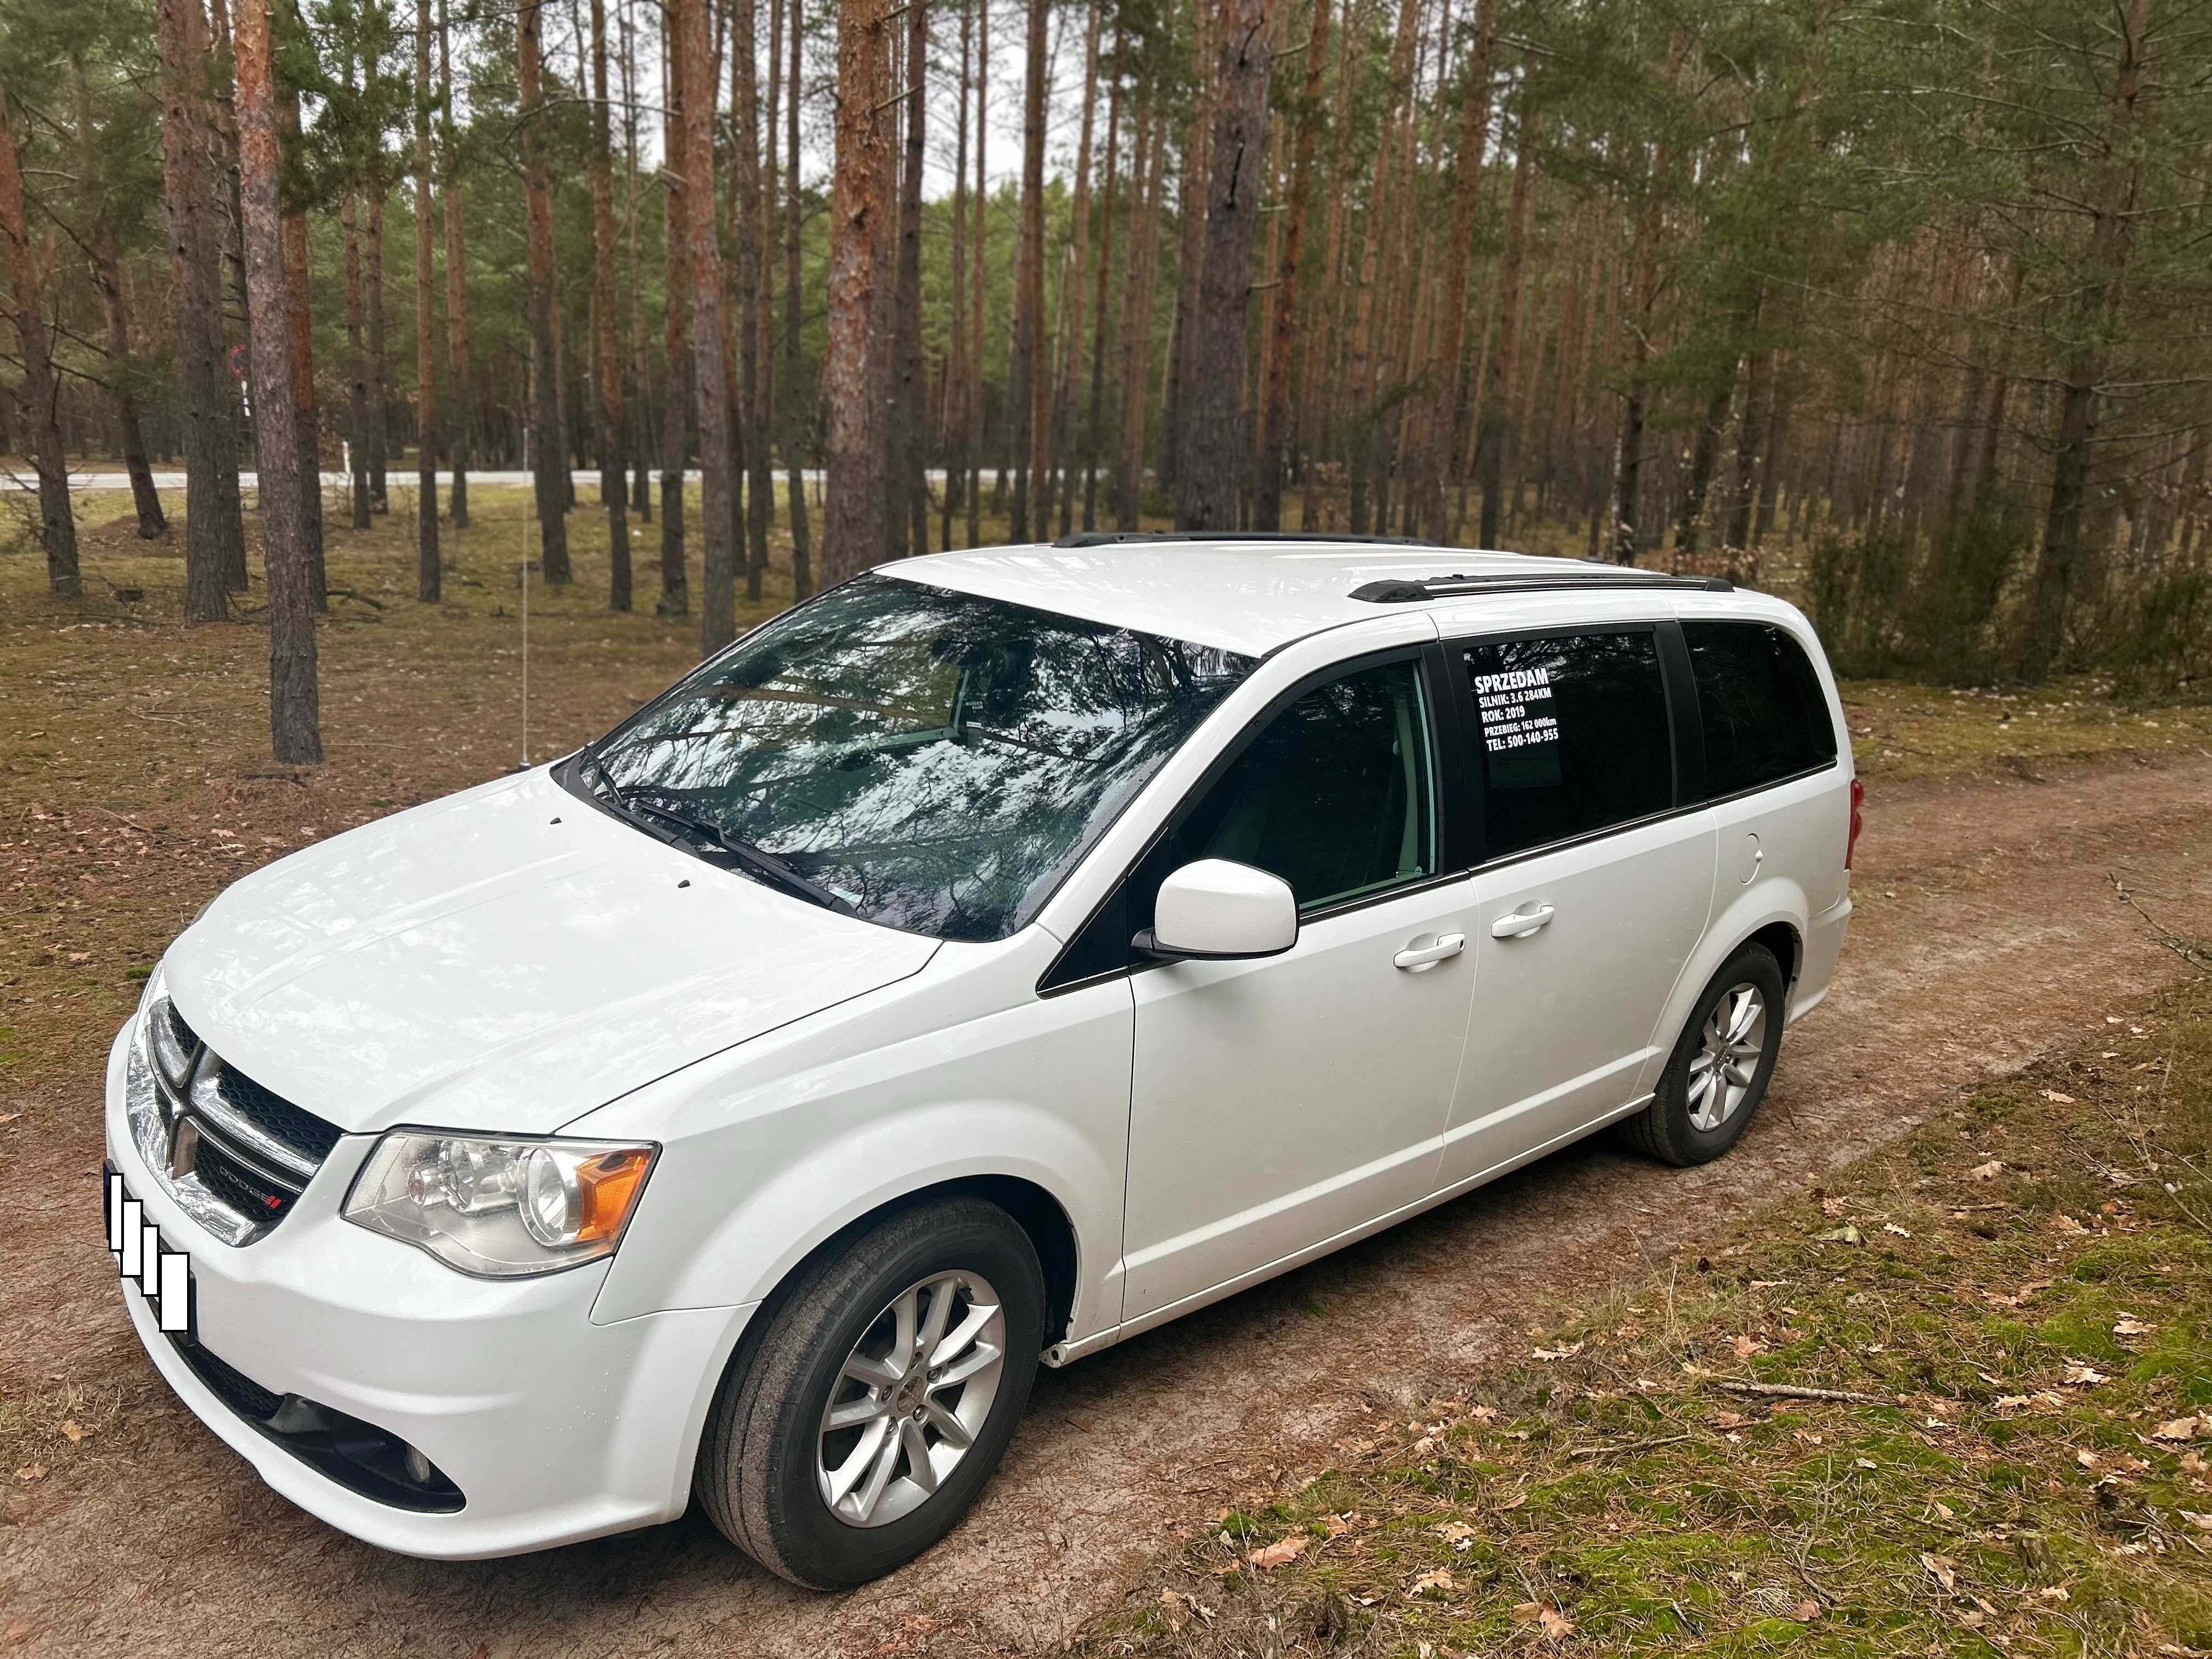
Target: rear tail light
[1858, 799]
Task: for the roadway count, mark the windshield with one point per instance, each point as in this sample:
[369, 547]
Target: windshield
[931, 760]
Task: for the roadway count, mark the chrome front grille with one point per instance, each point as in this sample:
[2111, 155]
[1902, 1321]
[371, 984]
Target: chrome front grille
[233, 1154]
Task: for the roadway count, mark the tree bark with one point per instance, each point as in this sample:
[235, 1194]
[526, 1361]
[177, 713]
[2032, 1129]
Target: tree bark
[908, 533]
[745, 212]
[2065, 570]
[57, 523]
[795, 420]
[214, 529]
[1498, 436]
[852, 520]
[429, 579]
[675, 291]
[1192, 183]
[1026, 384]
[380, 375]
[1274, 433]
[1094, 420]
[972, 439]
[613, 481]
[1143, 276]
[710, 381]
[356, 366]
[1452, 411]
[115, 308]
[1207, 495]
[956, 366]
[460, 420]
[295, 714]
[306, 420]
[1062, 479]
[550, 474]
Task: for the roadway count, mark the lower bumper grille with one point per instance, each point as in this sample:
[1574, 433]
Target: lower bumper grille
[359, 1457]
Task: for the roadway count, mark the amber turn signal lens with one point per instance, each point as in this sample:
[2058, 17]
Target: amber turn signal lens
[609, 1185]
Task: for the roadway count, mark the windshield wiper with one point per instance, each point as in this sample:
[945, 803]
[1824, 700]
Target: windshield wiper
[762, 865]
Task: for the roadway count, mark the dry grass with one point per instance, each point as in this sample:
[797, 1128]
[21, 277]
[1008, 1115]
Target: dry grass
[2017, 1296]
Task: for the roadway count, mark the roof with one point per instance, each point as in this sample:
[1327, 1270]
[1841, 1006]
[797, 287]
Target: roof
[1249, 596]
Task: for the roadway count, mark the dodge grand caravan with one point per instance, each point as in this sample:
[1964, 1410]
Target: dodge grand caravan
[991, 959]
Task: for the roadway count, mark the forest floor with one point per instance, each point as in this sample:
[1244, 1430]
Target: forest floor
[2030, 863]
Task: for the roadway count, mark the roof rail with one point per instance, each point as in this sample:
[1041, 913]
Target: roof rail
[1412, 590]
[1111, 538]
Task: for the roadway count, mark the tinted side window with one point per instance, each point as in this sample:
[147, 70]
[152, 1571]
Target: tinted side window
[1571, 736]
[1333, 796]
[1759, 702]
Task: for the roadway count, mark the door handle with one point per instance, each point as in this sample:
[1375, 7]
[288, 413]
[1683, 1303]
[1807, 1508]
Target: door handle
[1415, 957]
[1520, 923]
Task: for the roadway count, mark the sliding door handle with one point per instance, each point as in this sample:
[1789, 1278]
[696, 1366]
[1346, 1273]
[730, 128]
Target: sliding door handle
[1520, 923]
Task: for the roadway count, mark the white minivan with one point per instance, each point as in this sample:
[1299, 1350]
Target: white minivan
[994, 958]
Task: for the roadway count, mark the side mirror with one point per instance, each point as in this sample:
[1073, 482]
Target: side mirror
[1214, 910]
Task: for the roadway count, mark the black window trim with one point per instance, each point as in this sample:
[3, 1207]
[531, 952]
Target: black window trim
[1447, 780]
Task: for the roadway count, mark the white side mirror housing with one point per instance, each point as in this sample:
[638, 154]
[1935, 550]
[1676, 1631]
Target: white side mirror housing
[1217, 910]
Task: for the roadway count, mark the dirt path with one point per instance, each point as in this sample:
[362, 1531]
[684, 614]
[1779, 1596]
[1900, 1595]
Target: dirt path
[1988, 932]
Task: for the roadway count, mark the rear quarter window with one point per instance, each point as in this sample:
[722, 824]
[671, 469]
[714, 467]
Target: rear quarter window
[1760, 703]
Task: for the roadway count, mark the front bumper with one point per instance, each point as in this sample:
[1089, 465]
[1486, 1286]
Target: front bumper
[553, 1428]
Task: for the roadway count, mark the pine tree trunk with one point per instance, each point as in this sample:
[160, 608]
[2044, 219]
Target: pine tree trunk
[1498, 434]
[300, 317]
[40, 393]
[295, 714]
[1025, 379]
[613, 481]
[852, 520]
[1061, 490]
[1094, 430]
[1212, 464]
[1275, 433]
[718, 542]
[429, 579]
[460, 419]
[2068, 567]
[115, 309]
[550, 474]
[954, 424]
[676, 306]
[1143, 276]
[380, 375]
[795, 420]
[356, 367]
[908, 533]
[745, 212]
[972, 440]
[1453, 412]
[214, 531]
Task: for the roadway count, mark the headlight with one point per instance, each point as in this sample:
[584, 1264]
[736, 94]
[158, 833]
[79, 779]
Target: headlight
[499, 1209]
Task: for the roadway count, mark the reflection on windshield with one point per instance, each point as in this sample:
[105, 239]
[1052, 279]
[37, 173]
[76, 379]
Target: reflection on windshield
[934, 759]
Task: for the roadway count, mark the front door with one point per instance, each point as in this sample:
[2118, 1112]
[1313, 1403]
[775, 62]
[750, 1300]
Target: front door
[1280, 1102]
[1593, 893]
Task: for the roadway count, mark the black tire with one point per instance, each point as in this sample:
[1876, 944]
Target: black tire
[1665, 1129]
[757, 1473]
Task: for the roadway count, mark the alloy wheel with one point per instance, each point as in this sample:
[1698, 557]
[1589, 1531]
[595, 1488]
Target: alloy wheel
[1730, 1049]
[911, 1399]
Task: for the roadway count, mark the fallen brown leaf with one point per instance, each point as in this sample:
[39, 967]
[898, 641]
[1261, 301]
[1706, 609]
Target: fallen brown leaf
[1281, 1552]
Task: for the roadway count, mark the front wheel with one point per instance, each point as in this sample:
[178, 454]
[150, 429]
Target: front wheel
[864, 1422]
[1719, 1072]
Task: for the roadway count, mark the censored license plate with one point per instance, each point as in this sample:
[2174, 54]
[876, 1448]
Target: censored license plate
[163, 1275]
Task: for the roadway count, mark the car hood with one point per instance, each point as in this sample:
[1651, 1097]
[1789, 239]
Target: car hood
[505, 959]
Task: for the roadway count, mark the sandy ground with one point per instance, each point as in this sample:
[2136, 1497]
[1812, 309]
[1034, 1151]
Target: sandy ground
[1989, 931]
